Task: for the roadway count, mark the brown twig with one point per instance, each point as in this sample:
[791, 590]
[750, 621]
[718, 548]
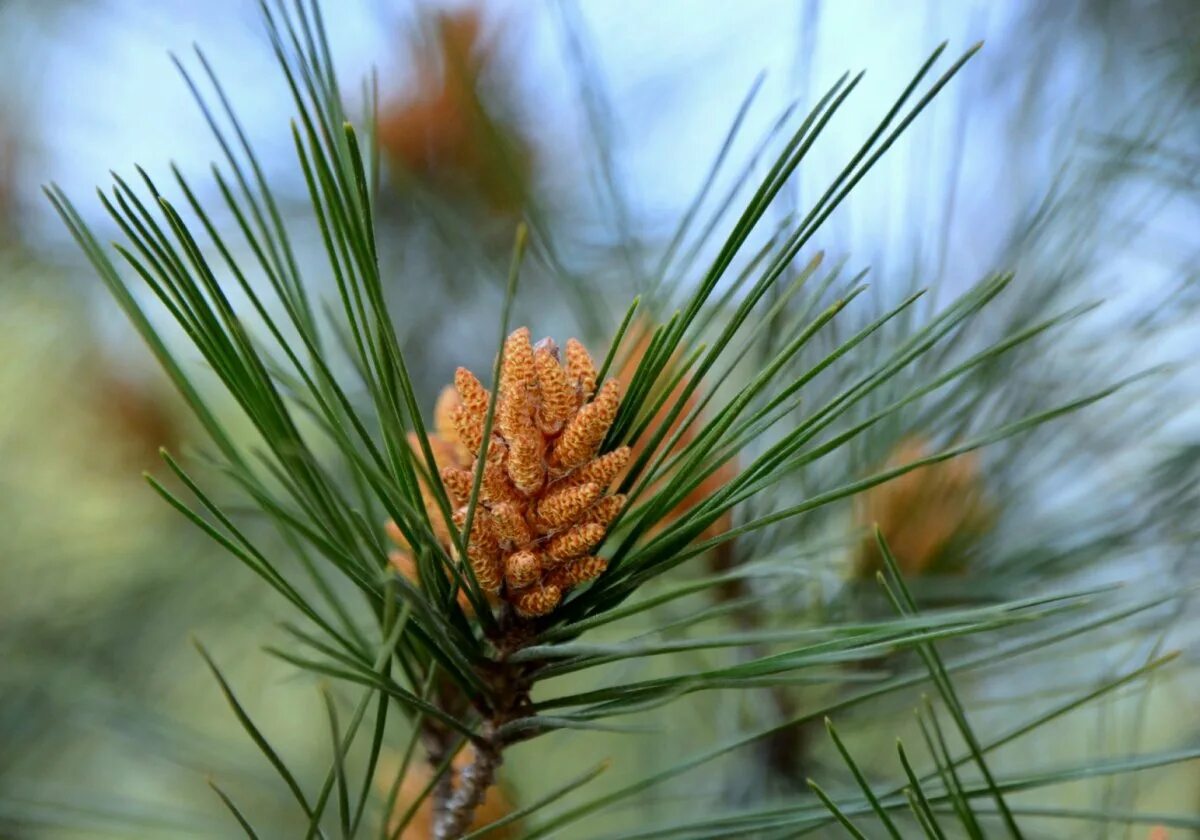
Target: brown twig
[458, 795]
[458, 811]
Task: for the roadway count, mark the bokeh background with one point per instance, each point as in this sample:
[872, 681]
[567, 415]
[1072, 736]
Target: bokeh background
[1068, 151]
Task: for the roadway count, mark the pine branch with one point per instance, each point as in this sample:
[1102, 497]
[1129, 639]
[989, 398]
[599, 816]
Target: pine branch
[533, 509]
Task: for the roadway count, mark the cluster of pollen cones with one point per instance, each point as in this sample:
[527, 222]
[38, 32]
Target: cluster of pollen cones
[544, 503]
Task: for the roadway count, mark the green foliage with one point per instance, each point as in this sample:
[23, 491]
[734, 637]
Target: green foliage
[331, 461]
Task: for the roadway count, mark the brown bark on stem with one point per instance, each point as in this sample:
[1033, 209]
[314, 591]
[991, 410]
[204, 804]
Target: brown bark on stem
[458, 811]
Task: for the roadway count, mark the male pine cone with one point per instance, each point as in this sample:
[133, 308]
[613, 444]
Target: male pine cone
[544, 503]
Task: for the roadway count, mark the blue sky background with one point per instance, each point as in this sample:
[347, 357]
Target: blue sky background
[92, 88]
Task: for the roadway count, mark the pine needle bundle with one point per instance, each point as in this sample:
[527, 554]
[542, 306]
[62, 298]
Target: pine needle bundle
[453, 575]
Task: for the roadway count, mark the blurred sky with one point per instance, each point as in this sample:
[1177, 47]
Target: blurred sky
[676, 73]
[94, 88]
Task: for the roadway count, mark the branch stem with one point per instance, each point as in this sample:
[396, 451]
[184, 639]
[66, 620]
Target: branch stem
[456, 803]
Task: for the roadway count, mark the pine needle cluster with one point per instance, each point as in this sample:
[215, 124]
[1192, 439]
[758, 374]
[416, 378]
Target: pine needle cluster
[449, 576]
